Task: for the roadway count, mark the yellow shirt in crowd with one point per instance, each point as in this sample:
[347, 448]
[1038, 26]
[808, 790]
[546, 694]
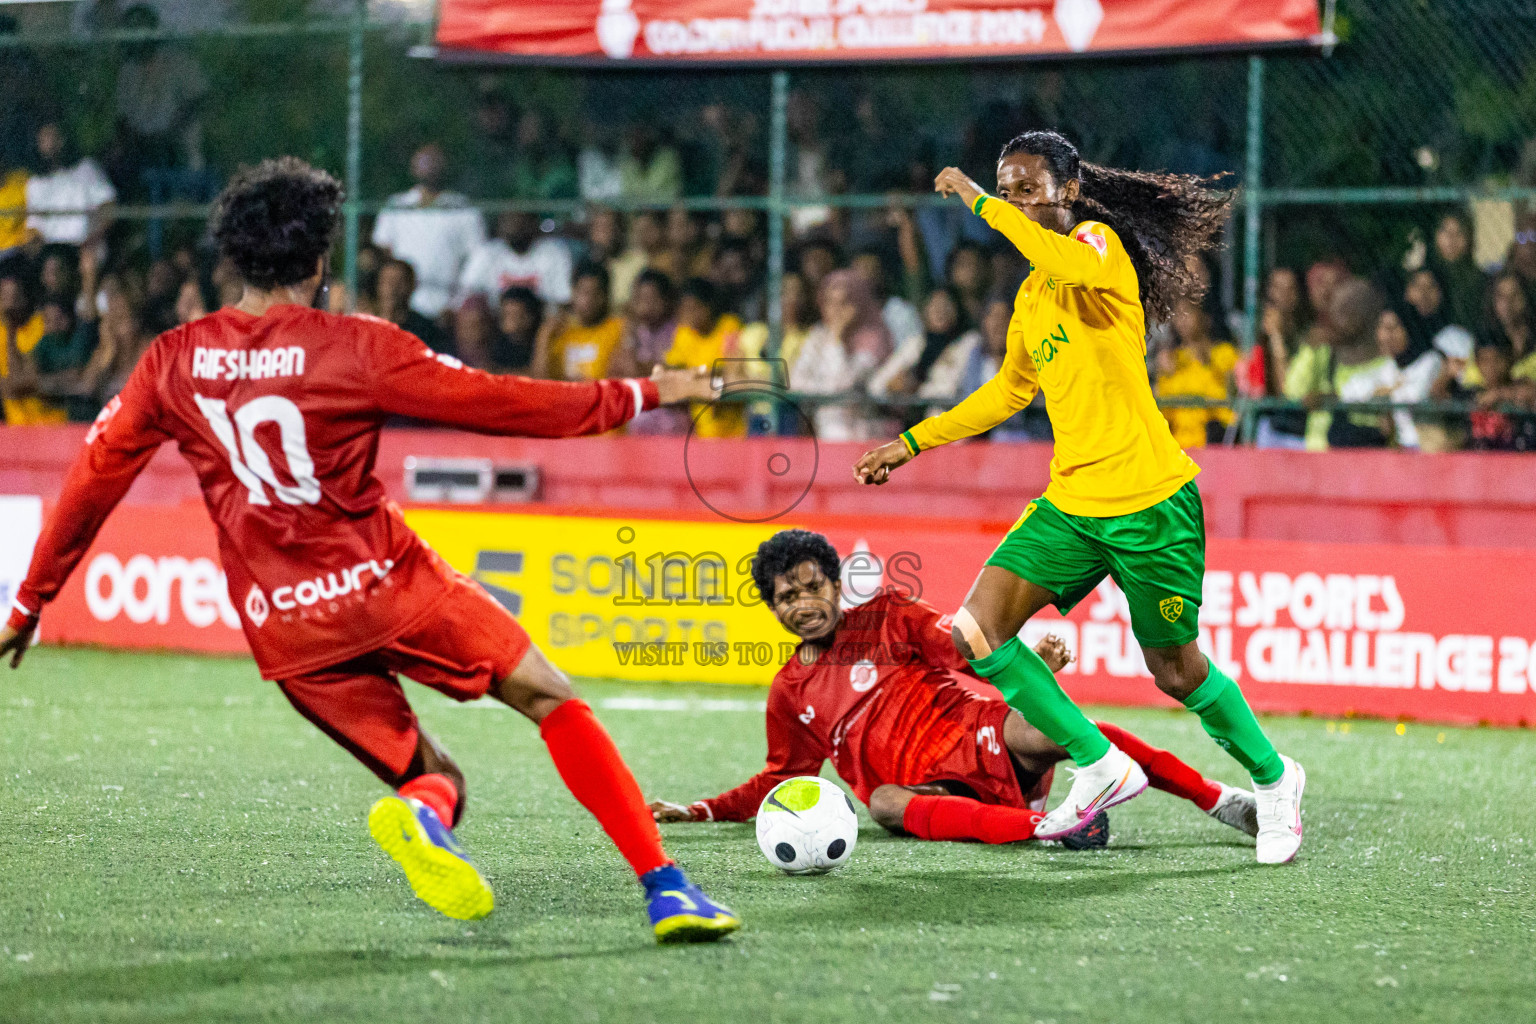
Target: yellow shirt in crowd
[1078, 334]
[1193, 379]
[582, 353]
[690, 348]
[13, 213]
[20, 412]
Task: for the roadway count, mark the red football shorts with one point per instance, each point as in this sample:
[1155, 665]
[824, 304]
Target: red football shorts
[981, 766]
[465, 646]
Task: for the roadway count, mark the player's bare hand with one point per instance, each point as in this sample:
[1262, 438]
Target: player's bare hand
[952, 181]
[875, 466]
[666, 810]
[1053, 651]
[15, 642]
[684, 384]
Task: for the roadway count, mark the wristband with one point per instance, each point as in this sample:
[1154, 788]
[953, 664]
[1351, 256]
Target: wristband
[907, 439]
[20, 618]
[976, 206]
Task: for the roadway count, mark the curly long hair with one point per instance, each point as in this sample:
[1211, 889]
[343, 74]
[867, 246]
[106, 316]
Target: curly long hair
[1162, 219]
[275, 220]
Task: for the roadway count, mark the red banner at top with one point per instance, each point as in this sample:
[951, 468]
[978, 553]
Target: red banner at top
[775, 31]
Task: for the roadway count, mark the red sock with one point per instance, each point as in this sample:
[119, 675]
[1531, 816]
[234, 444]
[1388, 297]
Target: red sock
[1164, 771]
[960, 817]
[601, 782]
[437, 792]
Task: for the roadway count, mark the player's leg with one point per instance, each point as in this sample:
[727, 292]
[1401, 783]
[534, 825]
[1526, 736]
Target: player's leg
[1227, 804]
[1158, 558]
[928, 812]
[361, 706]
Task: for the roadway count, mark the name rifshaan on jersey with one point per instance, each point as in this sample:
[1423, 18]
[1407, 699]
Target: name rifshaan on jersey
[239, 364]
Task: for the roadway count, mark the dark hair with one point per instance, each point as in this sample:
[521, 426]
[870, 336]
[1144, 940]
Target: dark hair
[704, 290]
[785, 550]
[527, 298]
[1493, 332]
[1162, 219]
[410, 271]
[275, 220]
[661, 282]
[591, 268]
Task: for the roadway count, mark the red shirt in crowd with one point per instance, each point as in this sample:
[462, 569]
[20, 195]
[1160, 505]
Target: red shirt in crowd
[881, 702]
[279, 415]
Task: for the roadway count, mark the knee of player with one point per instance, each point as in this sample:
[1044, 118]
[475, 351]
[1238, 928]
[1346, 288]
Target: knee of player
[1178, 671]
[968, 637]
[887, 805]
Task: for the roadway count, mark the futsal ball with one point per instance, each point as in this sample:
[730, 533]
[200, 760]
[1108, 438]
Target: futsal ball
[807, 826]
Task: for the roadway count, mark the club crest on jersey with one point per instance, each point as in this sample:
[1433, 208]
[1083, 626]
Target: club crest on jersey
[1171, 607]
[1093, 238]
[256, 608]
[863, 676]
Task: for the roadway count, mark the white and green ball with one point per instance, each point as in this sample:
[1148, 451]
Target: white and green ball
[807, 826]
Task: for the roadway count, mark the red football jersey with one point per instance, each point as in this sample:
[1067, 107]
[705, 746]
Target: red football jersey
[279, 416]
[882, 703]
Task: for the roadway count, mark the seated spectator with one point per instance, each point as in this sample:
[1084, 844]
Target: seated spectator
[968, 272]
[940, 348]
[577, 345]
[161, 287]
[1493, 428]
[650, 327]
[395, 285]
[1195, 366]
[1407, 371]
[689, 252]
[23, 327]
[518, 255]
[901, 316]
[847, 345]
[1282, 327]
[191, 301]
[1451, 260]
[707, 335]
[432, 230]
[66, 182]
[1521, 260]
[122, 337]
[1355, 310]
[1509, 321]
[1422, 310]
[1448, 432]
[818, 257]
[736, 278]
[474, 333]
[649, 171]
[797, 319]
[985, 361]
[605, 244]
[14, 232]
[512, 347]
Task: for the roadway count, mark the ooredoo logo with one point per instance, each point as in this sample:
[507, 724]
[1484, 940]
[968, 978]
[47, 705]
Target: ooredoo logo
[142, 588]
[863, 676]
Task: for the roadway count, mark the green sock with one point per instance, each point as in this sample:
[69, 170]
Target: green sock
[1030, 688]
[1229, 720]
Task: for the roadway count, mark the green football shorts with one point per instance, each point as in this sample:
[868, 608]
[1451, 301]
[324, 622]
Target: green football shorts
[1156, 556]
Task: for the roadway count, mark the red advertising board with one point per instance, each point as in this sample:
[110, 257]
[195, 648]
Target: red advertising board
[781, 31]
[1442, 634]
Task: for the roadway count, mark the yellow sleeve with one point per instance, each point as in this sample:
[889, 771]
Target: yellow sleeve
[1079, 258]
[999, 398]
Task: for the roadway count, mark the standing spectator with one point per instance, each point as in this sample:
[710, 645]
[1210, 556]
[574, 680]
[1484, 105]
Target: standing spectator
[65, 183]
[579, 344]
[1464, 281]
[707, 334]
[23, 328]
[810, 165]
[160, 90]
[22, 83]
[432, 230]
[650, 171]
[1197, 366]
[846, 346]
[818, 258]
[518, 255]
[542, 168]
[597, 165]
[491, 152]
[901, 316]
[393, 289]
[522, 314]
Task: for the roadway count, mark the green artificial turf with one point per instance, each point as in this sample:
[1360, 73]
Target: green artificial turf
[178, 844]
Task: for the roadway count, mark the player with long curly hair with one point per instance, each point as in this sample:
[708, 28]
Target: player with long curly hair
[1108, 248]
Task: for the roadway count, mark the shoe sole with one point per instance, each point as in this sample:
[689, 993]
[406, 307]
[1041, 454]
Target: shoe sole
[447, 883]
[683, 928]
[1301, 787]
[1247, 822]
[1086, 820]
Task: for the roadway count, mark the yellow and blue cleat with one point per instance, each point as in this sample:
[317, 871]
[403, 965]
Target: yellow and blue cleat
[680, 912]
[435, 865]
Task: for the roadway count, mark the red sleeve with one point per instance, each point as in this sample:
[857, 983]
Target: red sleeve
[120, 443]
[930, 631]
[407, 378]
[792, 750]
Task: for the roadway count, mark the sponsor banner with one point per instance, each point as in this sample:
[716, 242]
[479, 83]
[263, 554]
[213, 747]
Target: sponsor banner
[777, 31]
[1432, 633]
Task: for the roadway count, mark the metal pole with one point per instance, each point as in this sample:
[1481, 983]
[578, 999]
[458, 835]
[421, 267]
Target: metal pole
[778, 145]
[354, 146]
[1253, 207]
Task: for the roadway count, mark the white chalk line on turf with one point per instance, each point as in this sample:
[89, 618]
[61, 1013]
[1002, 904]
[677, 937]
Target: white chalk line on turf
[669, 704]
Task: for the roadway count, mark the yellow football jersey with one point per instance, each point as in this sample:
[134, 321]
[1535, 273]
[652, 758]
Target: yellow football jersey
[1079, 335]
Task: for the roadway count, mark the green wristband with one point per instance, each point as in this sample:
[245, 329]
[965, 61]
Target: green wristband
[976, 206]
[906, 439]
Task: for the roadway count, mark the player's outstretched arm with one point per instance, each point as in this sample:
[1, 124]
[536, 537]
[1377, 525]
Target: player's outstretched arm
[1073, 258]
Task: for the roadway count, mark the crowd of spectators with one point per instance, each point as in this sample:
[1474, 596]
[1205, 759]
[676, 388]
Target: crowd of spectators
[888, 313]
